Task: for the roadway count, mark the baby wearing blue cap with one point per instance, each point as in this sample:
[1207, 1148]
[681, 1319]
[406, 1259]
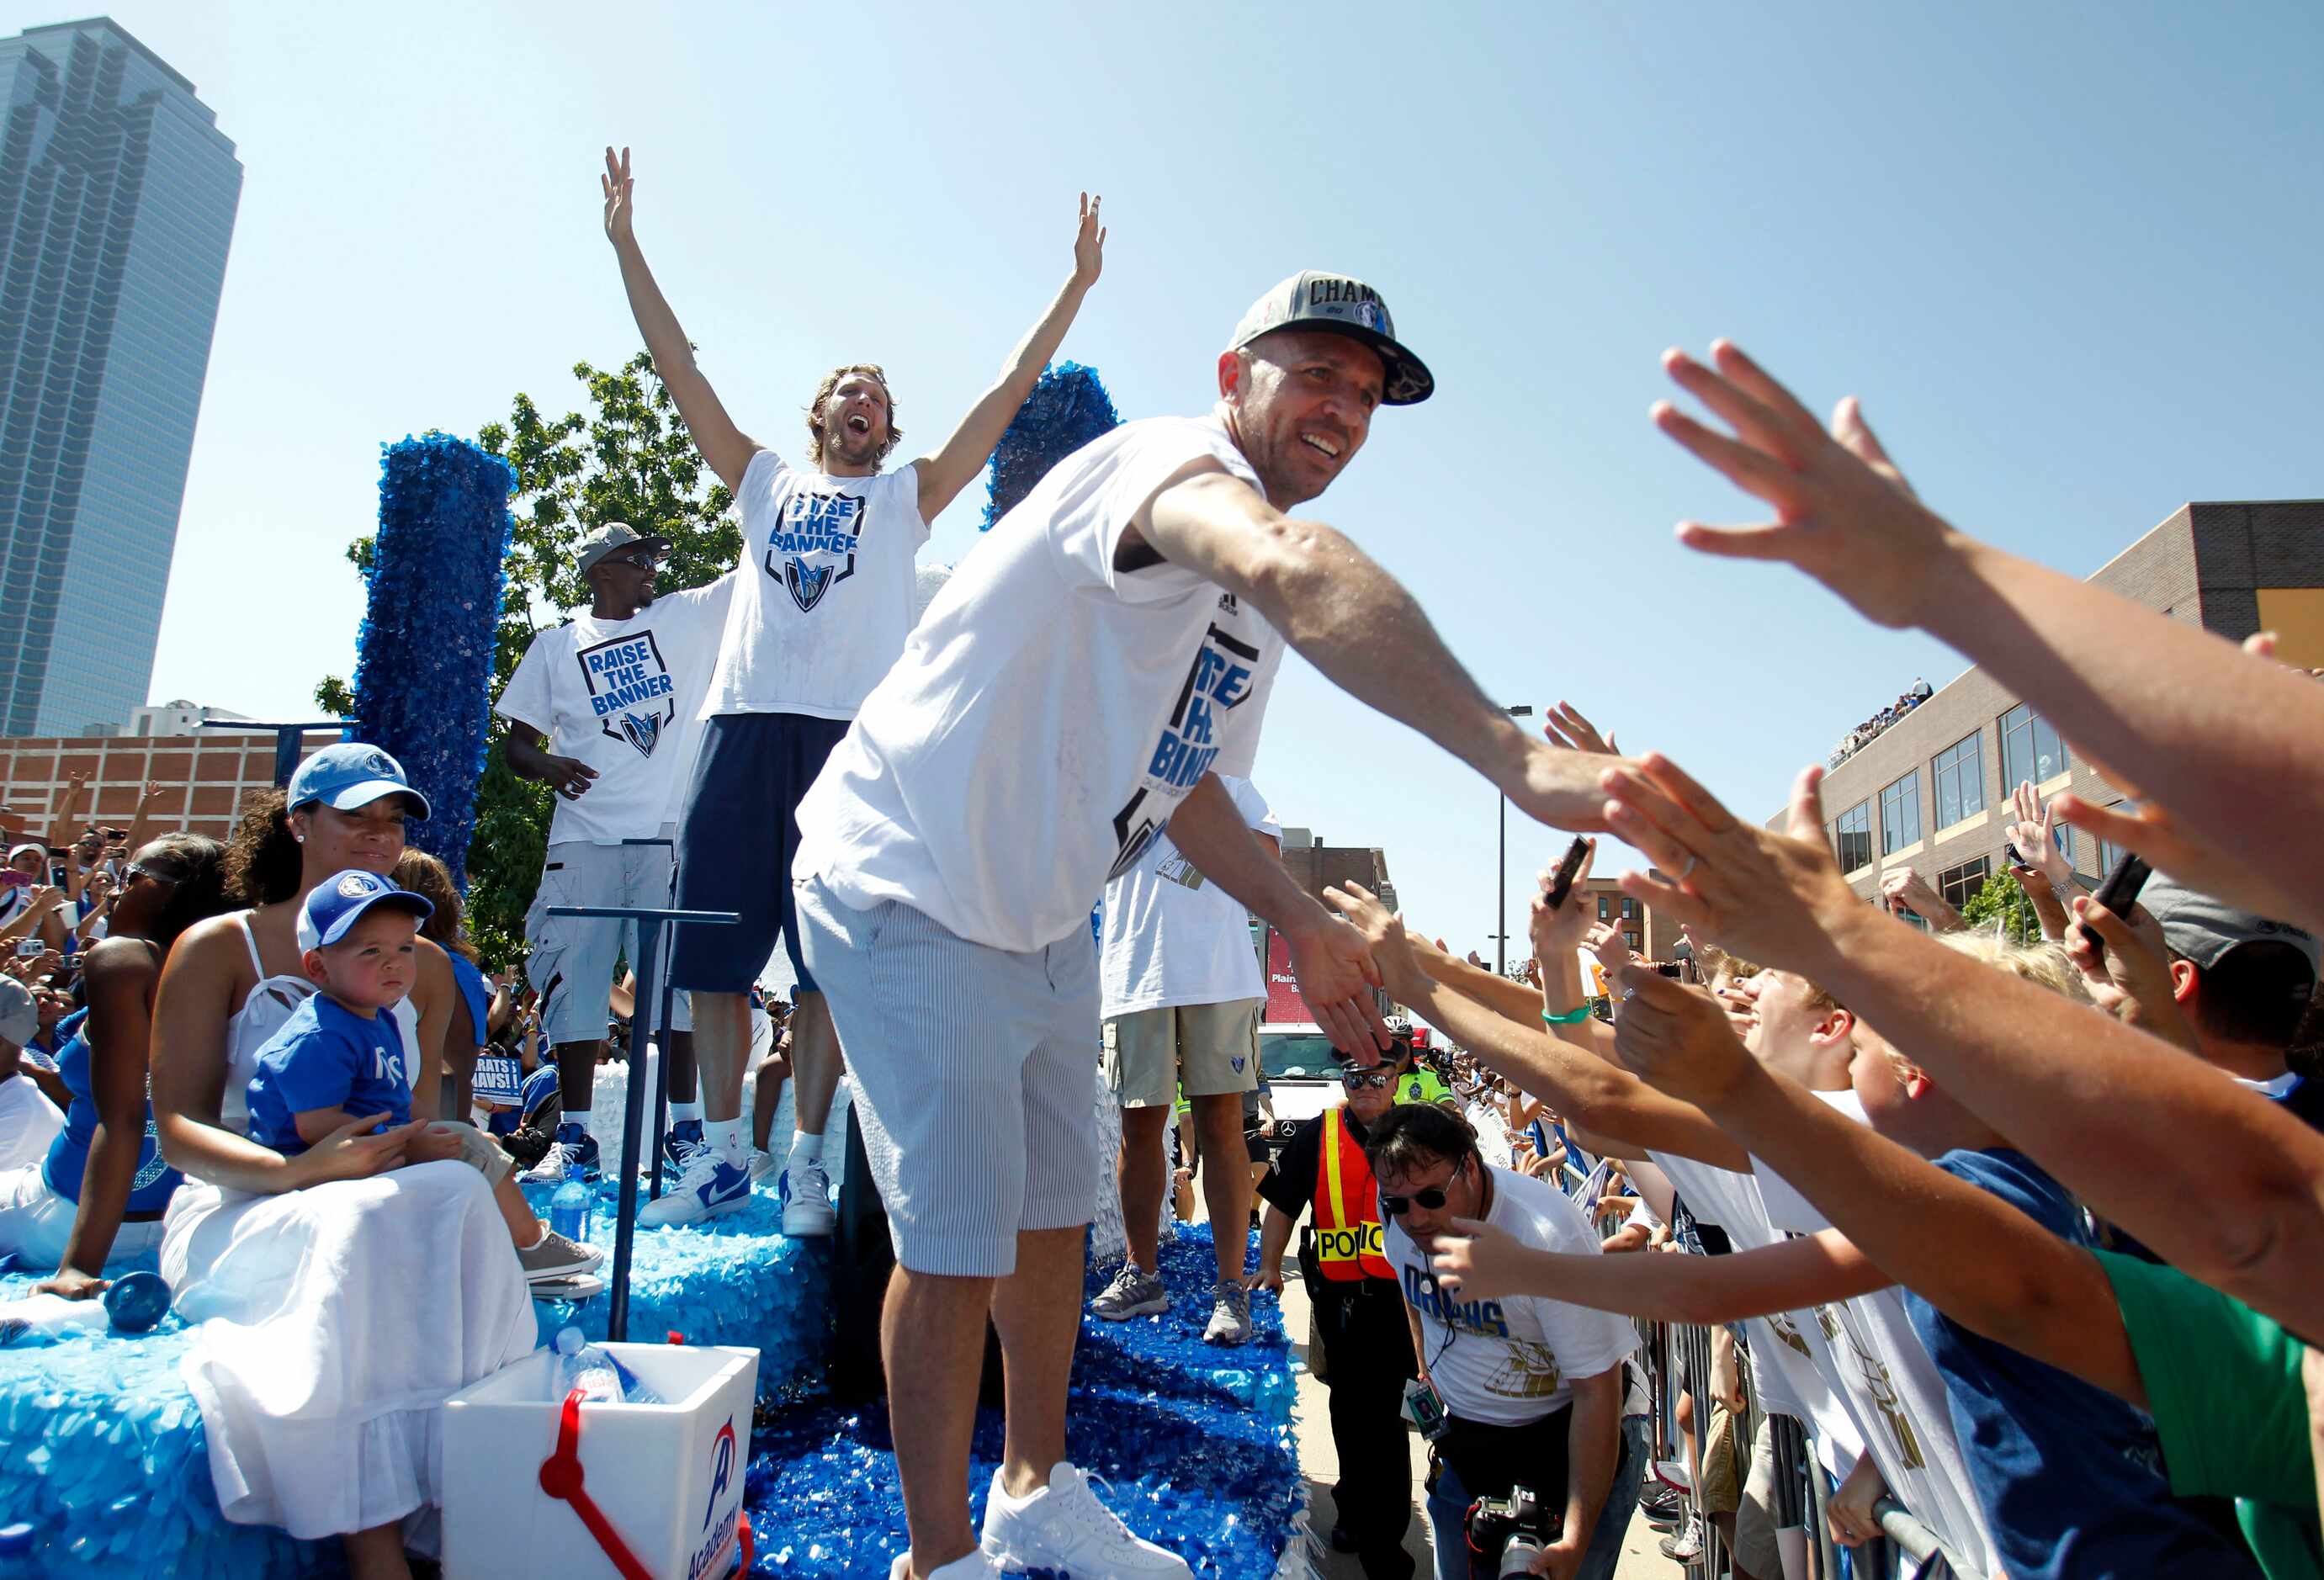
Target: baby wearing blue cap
[340, 1058]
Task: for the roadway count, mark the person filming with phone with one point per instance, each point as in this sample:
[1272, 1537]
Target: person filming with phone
[1365, 1341]
[1535, 1470]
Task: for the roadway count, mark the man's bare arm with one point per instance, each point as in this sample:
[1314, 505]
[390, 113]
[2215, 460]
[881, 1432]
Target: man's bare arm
[952, 468]
[724, 446]
[1353, 621]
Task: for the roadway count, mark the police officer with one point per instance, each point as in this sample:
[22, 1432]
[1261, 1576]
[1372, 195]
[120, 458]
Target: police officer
[1359, 1308]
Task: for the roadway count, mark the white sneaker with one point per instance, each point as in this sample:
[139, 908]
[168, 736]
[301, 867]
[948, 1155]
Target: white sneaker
[1064, 1527]
[808, 1213]
[710, 1188]
[764, 1165]
[973, 1567]
[550, 1170]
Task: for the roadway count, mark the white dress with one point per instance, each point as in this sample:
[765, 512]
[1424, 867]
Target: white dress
[336, 1319]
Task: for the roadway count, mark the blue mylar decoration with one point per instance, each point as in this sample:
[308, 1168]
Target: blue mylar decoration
[1193, 1443]
[1067, 409]
[424, 654]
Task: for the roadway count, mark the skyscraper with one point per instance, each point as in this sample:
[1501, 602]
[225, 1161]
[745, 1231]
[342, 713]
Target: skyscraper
[118, 197]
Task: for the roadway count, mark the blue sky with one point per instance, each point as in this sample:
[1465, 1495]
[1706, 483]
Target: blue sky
[2066, 255]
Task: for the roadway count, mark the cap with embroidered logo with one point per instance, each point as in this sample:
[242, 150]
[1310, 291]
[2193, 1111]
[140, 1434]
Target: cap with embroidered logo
[340, 901]
[609, 539]
[349, 773]
[1343, 305]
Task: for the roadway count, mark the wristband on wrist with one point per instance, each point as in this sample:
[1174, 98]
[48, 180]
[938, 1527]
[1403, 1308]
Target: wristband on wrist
[1572, 1017]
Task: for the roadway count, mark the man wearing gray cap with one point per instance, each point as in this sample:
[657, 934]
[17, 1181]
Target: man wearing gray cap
[602, 710]
[2242, 982]
[1079, 685]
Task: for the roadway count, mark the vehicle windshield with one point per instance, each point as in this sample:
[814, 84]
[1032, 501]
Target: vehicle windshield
[1296, 1054]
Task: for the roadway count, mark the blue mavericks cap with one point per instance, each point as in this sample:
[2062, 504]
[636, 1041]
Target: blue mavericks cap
[338, 902]
[351, 774]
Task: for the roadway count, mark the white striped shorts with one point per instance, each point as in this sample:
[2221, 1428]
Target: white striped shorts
[976, 1073]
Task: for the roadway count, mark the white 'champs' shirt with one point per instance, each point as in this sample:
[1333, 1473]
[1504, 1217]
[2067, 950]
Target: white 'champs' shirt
[1511, 1361]
[1171, 936]
[624, 696]
[825, 596]
[1877, 1364]
[1784, 1344]
[1049, 712]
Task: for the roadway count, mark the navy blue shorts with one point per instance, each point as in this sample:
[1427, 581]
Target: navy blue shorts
[735, 841]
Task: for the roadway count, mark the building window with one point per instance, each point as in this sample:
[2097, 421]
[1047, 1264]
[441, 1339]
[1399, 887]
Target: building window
[1605, 908]
[2108, 854]
[1958, 775]
[1852, 836]
[1630, 909]
[1959, 885]
[1636, 943]
[2030, 749]
[1900, 813]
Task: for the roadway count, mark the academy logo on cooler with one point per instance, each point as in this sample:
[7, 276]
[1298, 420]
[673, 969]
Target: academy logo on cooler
[630, 690]
[812, 547]
[1218, 682]
[722, 1468]
[708, 1556]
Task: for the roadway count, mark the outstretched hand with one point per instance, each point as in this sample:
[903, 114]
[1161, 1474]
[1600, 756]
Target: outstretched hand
[1389, 948]
[2139, 824]
[1844, 514]
[1477, 1261]
[1089, 243]
[1555, 933]
[1336, 973]
[1677, 1039]
[616, 185]
[1763, 895]
[1564, 726]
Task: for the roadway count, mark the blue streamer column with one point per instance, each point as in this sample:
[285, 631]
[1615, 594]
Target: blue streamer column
[424, 656]
[1067, 409]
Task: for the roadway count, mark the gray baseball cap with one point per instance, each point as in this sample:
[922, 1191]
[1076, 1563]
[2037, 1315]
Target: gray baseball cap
[2204, 929]
[610, 538]
[1316, 300]
[20, 1016]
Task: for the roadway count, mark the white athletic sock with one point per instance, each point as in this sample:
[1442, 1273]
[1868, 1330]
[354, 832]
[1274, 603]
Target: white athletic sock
[806, 1148]
[731, 1139]
[679, 1110]
[579, 1121]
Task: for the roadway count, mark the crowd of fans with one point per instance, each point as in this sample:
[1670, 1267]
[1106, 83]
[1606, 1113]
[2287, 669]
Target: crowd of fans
[1863, 735]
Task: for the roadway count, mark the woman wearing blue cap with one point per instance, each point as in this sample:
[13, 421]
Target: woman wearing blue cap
[354, 1304]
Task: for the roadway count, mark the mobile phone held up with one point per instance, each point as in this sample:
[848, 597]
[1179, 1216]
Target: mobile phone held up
[2117, 893]
[1561, 882]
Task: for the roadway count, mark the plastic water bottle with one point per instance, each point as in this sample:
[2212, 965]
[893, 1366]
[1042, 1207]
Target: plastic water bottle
[15, 1549]
[634, 1389]
[136, 1302]
[568, 1210]
[588, 1368]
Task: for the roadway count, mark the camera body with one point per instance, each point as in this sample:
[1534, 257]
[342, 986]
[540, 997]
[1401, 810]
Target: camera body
[1509, 1533]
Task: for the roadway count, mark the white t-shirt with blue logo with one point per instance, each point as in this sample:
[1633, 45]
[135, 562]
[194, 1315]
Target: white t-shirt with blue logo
[1049, 712]
[625, 697]
[1170, 936]
[1514, 1360]
[825, 593]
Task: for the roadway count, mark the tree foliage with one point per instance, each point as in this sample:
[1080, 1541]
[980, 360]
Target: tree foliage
[627, 458]
[2004, 900]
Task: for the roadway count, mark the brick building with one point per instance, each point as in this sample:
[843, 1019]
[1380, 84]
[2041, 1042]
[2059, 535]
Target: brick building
[205, 778]
[1317, 866]
[1653, 937]
[1931, 791]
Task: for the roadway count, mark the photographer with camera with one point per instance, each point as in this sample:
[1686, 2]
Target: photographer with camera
[1365, 1339]
[1533, 1469]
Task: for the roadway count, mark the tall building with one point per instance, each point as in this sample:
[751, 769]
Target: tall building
[118, 197]
[1932, 790]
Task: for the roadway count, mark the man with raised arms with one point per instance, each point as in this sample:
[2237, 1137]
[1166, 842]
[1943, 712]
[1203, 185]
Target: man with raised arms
[819, 613]
[1078, 686]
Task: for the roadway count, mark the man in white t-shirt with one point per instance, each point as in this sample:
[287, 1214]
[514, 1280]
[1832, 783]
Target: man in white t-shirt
[1180, 988]
[603, 709]
[1533, 1387]
[820, 610]
[1074, 689]
[29, 1122]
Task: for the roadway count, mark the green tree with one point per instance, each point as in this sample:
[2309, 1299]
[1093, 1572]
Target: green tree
[628, 459]
[2003, 899]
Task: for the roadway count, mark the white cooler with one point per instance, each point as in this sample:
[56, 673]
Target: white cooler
[668, 1477]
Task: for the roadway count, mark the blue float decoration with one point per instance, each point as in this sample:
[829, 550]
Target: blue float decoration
[1067, 409]
[424, 654]
[1193, 1443]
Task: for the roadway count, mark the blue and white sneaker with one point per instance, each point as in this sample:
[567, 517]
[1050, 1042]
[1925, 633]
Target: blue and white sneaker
[680, 1143]
[710, 1188]
[573, 1151]
[808, 1213]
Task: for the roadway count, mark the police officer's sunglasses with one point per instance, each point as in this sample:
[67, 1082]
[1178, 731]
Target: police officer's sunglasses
[1360, 1078]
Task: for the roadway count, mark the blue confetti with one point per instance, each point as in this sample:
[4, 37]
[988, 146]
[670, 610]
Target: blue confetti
[424, 659]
